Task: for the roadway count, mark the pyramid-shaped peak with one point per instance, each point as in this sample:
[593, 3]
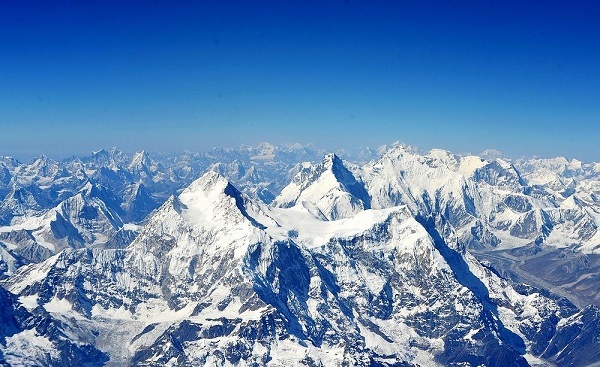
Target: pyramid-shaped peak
[210, 181]
[213, 201]
[142, 164]
[329, 186]
[336, 165]
[141, 158]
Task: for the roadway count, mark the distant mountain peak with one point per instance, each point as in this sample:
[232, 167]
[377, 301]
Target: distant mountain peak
[41, 159]
[329, 186]
[359, 263]
[492, 154]
[101, 152]
[141, 158]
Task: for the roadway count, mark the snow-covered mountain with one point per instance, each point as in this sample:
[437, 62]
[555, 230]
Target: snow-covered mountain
[90, 218]
[277, 256]
[329, 187]
[495, 210]
[498, 213]
[215, 278]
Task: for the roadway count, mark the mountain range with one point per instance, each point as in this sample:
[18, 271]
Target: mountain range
[289, 255]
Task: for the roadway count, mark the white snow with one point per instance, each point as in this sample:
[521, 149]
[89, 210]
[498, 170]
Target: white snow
[58, 305]
[28, 349]
[120, 313]
[33, 273]
[132, 227]
[29, 302]
[314, 232]
[470, 164]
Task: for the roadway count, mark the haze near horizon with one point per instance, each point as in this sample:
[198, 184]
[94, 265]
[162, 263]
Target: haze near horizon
[519, 77]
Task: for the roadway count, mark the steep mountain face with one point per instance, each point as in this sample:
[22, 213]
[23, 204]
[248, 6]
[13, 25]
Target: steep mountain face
[469, 191]
[488, 202]
[215, 278]
[89, 218]
[86, 219]
[251, 179]
[575, 342]
[21, 203]
[138, 202]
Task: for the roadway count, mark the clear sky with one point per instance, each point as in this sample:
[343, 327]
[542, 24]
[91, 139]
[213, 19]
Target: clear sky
[522, 77]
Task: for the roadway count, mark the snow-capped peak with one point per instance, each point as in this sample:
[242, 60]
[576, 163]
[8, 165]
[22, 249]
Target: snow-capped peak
[100, 153]
[329, 186]
[210, 206]
[140, 159]
[41, 161]
[214, 278]
[210, 181]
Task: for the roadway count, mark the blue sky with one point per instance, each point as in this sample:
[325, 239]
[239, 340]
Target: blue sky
[522, 77]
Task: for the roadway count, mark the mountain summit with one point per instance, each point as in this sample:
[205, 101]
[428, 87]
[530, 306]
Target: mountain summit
[329, 186]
